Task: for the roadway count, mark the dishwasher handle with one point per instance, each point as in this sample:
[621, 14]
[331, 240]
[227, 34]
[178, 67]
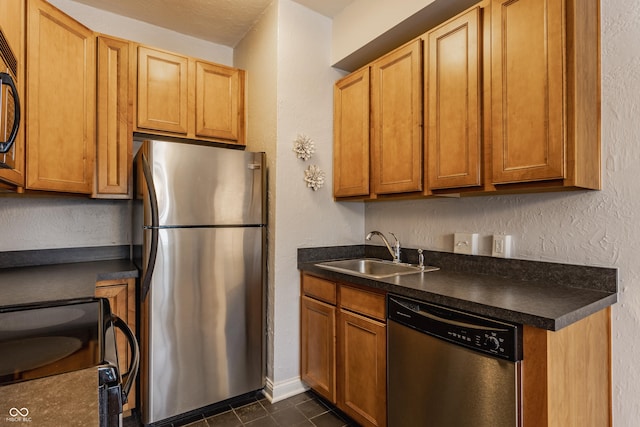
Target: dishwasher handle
[448, 321]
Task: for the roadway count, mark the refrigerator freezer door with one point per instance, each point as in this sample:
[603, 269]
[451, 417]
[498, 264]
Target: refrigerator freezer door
[202, 185]
[203, 320]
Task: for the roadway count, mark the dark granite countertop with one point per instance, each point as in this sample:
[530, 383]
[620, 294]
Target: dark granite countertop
[61, 280]
[545, 295]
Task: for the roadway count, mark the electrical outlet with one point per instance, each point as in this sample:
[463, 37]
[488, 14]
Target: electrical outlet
[465, 243]
[501, 247]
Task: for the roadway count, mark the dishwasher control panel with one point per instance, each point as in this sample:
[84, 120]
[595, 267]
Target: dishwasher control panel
[489, 336]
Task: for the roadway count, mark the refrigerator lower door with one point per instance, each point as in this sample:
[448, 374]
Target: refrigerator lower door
[202, 321]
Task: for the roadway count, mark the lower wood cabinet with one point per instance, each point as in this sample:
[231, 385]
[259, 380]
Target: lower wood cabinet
[343, 347]
[121, 294]
[567, 374]
[362, 371]
[318, 363]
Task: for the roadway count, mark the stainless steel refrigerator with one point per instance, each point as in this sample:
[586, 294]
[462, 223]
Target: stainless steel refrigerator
[200, 232]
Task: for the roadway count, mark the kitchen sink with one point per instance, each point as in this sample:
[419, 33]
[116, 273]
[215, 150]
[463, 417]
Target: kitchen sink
[373, 268]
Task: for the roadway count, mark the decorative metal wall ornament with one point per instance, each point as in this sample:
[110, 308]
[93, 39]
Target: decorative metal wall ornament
[314, 177]
[304, 147]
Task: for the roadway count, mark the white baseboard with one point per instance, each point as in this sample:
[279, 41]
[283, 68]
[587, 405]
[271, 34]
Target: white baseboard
[283, 389]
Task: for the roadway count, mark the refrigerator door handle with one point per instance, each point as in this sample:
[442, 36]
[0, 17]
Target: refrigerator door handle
[153, 249]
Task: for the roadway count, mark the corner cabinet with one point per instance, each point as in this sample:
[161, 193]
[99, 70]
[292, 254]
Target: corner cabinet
[121, 296]
[546, 92]
[343, 347]
[180, 96]
[114, 127]
[60, 101]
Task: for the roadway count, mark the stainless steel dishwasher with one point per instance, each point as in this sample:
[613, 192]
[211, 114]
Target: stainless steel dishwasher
[448, 368]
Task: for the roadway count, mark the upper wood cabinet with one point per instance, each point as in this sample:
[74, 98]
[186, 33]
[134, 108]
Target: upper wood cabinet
[378, 127]
[12, 23]
[219, 102]
[546, 92]
[181, 96]
[162, 91]
[351, 135]
[60, 102]
[114, 125]
[396, 120]
[453, 103]
[511, 103]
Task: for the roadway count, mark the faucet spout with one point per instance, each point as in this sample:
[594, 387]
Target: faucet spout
[395, 252]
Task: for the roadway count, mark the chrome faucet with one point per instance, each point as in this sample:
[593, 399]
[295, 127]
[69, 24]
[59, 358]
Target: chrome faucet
[395, 252]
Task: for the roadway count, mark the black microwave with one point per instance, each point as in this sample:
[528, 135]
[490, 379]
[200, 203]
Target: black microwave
[9, 104]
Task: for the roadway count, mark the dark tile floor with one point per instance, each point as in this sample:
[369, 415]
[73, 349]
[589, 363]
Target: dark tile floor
[304, 409]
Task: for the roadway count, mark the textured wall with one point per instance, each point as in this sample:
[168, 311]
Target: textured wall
[48, 223]
[592, 228]
[303, 217]
[287, 95]
[255, 54]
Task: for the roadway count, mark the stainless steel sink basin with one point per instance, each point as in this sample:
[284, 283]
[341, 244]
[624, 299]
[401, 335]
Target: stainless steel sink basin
[372, 268]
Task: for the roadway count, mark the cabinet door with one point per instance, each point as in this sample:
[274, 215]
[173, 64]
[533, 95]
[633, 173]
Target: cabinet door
[11, 20]
[61, 101]
[219, 102]
[351, 135]
[527, 90]
[452, 96]
[396, 107]
[114, 120]
[362, 351]
[162, 91]
[121, 296]
[318, 347]
[12, 24]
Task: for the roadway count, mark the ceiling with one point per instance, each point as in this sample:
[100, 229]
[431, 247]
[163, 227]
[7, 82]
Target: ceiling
[223, 22]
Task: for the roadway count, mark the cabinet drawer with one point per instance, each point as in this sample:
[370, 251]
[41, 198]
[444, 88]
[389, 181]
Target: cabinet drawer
[367, 303]
[321, 289]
